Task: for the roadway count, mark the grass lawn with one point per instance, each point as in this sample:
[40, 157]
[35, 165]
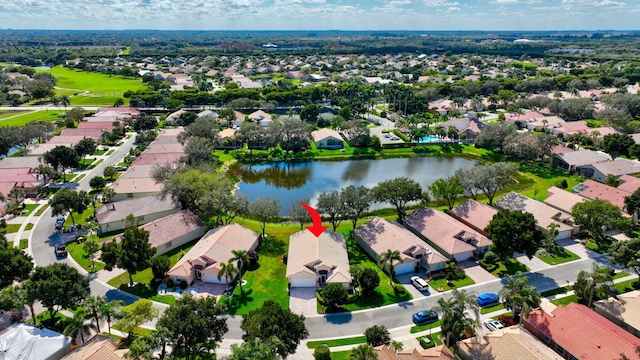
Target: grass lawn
[110, 152]
[501, 269]
[337, 342]
[99, 152]
[341, 355]
[487, 310]
[28, 209]
[627, 286]
[144, 276]
[620, 274]
[24, 243]
[556, 291]
[101, 89]
[603, 248]
[544, 175]
[442, 283]
[11, 228]
[138, 331]
[79, 177]
[58, 323]
[42, 210]
[565, 300]
[435, 338]
[420, 328]
[23, 117]
[510, 313]
[28, 227]
[81, 218]
[86, 162]
[559, 258]
[82, 258]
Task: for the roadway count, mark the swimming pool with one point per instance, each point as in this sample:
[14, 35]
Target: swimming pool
[430, 138]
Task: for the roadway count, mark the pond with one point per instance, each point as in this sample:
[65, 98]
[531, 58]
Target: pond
[291, 181]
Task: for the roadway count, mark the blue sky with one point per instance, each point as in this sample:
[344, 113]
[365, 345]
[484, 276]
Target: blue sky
[321, 14]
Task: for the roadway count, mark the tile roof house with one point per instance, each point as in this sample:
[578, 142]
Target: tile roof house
[202, 262]
[617, 167]
[22, 178]
[164, 148]
[261, 118]
[122, 111]
[577, 332]
[327, 139]
[438, 352]
[509, 343]
[20, 162]
[570, 161]
[315, 261]
[474, 214]
[173, 231]
[623, 311]
[159, 158]
[562, 200]
[173, 117]
[544, 214]
[449, 236]
[100, 347]
[595, 190]
[379, 235]
[111, 216]
[629, 183]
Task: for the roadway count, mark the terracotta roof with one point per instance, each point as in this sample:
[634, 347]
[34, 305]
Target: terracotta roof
[158, 158]
[66, 140]
[319, 135]
[474, 213]
[164, 148]
[99, 347]
[116, 211]
[171, 227]
[543, 213]
[90, 133]
[512, 343]
[629, 183]
[584, 333]
[136, 185]
[438, 352]
[381, 234]
[20, 162]
[445, 231]
[595, 190]
[562, 199]
[307, 252]
[216, 247]
[138, 171]
[102, 125]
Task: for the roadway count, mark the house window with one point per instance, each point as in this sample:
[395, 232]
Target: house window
[560, 350]
[571, 357]
[323, 276]
[168, 245]
[547, 339]
[332, 142]
[178, 279]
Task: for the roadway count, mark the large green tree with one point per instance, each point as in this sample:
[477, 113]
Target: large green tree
[69, 201]
[264, 209]
[377, 335]
[363, 352]
[617, 145]
[398, 192]
[626, 254]
[135, 314]
[60, 285]
[16, 264]
[331, 204]
[194, 325]
[632, 202]
[257, 349]
[271, 319]
[62, 158]
[298, 213]
[597, 217]
[356, 200]
[514, 231]
[593, 284]
[447, 190]
[86, 146]
[460, 313]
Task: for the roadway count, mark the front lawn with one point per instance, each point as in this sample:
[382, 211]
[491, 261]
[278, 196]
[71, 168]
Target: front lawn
[341, 355]
[602, 248]
[490, 309]
[58, 323]
[28, 208]
[501, 269]
[558, 257]
[443, 284]
[42, 210]
[556, 291]
[337, 342]
[419, 328]
[11, 228]
[565, 300]
[82, 258]
[627, 286]
[24, 243]
[544, 175]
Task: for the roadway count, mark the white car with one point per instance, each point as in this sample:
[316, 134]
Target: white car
[493, 325]
[419, 283]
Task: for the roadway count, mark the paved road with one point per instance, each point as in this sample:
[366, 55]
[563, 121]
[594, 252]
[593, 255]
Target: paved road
[43, 238]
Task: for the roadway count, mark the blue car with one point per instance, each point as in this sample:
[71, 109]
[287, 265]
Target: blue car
[423, 317]
[488, 299]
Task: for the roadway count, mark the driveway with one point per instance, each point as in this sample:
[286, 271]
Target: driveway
[534, 264]
[476, 272]
[405, 280]
[303, 301]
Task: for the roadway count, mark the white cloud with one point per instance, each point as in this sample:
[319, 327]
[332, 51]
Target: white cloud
[440, 3]
[453, 9]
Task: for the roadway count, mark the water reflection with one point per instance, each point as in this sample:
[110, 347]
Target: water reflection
[292, 181]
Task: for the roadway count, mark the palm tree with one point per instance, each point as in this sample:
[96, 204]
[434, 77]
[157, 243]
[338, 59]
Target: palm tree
[396, 345]
[227, 270]
[241, 257]
[518, 295]
[363, 352]
[108, 194]
[387, 259]
[455, 315]
[65, 101]
[93, 305]
[56, 101]
[77, 325]
[111, 311]
[597, 280]
[452, 132]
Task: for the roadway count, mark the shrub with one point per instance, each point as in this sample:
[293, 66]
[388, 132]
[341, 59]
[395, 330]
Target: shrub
[322, 353]
[426, 342]
[454, 272]
[377, 335]
[491, 258]
[383, 114]
[506, 320]
[183, 285]
[170, 284]
[334, 295]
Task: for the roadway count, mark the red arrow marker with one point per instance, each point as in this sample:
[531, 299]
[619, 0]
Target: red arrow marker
[317, 229]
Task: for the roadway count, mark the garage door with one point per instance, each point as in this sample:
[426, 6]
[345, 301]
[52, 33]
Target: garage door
[214, 279]
[404, 268]
[463, 256]
[563, 235]
[306, 282]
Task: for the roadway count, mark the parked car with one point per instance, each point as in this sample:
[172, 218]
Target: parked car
[59, 223]
[61, 251]
[493, 325]
[424, 317]
[419, 283]
[121, 168]
[487, 299]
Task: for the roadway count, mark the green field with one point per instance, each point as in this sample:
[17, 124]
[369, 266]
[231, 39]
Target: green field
[91, 88]
[19, 118]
